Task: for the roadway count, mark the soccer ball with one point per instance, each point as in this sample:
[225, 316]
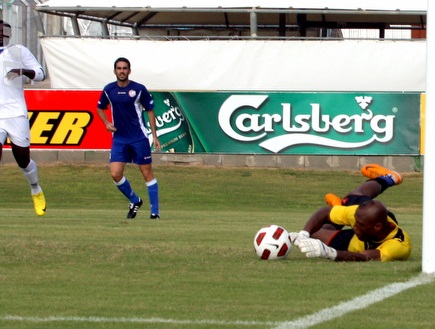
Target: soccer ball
[272, 242]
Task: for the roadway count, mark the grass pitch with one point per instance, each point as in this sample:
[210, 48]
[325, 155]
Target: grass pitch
[83, 265]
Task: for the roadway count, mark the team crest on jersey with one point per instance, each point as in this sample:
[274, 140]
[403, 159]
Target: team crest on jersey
[132, 93]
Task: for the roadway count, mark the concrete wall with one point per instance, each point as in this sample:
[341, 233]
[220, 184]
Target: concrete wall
[314, 162]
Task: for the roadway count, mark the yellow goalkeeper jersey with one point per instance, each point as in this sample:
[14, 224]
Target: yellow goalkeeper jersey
[396, 246]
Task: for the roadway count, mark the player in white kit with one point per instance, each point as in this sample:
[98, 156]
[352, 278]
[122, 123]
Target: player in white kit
[17, 62]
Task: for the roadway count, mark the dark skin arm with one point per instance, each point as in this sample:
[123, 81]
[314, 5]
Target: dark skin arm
[317, 220]
[314, 227]
[17, 72]
[362, 256]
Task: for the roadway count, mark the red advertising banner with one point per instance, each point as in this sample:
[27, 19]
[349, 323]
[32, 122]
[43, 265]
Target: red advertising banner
[66, 119]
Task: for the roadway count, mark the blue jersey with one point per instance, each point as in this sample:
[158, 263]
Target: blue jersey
[127, 105]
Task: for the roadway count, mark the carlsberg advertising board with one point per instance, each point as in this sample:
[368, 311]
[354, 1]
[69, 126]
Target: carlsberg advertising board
[357, 123]
[289, 123]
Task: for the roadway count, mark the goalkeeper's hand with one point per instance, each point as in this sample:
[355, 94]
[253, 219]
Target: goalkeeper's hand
[296, 238]
[316, 248]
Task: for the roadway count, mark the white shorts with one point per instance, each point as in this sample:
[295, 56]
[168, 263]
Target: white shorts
[16, 129]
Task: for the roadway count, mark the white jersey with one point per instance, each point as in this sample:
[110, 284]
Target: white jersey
[12, 102]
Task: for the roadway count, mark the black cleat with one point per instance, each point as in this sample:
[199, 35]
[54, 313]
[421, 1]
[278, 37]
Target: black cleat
[133, 208]
[155, 216]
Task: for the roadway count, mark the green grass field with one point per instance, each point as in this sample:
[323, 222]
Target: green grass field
[83, 265]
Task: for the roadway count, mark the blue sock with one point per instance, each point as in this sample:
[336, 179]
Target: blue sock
[124, 186]
[153, 194]
[385, 182]
[388, 180]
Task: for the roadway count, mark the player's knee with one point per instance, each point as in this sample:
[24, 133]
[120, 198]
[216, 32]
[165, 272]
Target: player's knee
[117, 176]
[21, 155]
[23, 162]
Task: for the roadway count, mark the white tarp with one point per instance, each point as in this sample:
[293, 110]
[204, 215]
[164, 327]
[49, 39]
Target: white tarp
[349, 65]
[414, 5]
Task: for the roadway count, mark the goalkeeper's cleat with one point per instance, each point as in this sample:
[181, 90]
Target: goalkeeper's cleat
[373, 171]
[154, 216]
[333, 200]
[39, 203]
[133, 208]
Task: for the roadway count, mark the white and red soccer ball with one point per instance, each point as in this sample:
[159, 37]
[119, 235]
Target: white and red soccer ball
[272, 242]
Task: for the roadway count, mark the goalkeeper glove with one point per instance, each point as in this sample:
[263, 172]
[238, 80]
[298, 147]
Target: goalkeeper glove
[316, 248]
[296, 238]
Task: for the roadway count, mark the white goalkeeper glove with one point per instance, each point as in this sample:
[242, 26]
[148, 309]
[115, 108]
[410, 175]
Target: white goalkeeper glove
[296, 238]
[316, 248]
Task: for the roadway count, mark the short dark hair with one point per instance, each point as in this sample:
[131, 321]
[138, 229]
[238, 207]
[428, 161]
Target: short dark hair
[122, 59]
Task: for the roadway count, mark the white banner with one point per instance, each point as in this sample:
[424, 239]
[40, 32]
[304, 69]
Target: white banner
[312, 4]
[351, 65]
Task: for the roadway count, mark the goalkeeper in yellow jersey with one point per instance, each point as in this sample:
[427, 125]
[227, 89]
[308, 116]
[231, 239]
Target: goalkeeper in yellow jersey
[374, 233]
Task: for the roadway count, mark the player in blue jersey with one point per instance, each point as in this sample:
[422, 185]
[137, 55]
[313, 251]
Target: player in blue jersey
[128, 99]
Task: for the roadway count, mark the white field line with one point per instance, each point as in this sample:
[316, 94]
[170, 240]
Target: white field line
[356, 303]
[134, 320]
[304, 322]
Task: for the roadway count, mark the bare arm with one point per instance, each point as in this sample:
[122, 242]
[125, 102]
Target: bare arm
[109, 125]
[28, 73]
[14, 73]
[363, 256]
[153, 126]
[317, 220]
[316, 248]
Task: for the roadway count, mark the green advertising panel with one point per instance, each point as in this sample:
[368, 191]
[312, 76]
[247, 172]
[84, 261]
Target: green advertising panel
[289, 123]
[172, 127]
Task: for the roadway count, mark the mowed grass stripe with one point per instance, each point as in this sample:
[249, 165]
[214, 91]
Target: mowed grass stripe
[84, 260]
[324, 315]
